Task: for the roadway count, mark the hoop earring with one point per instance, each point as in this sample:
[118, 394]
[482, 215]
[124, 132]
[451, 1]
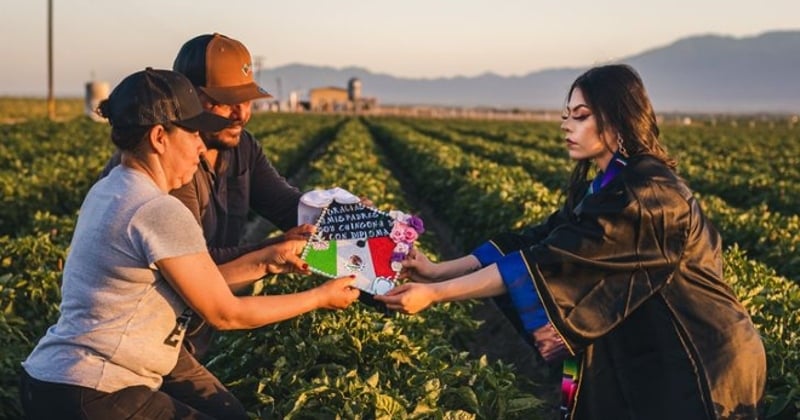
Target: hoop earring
[622, 150]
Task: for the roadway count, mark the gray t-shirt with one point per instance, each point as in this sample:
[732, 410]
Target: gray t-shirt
[121, 323]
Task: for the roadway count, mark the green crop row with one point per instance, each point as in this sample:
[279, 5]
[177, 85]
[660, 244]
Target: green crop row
[744, 166]
[48, 166]
[289, 139]
[16, 109]
[30, 294]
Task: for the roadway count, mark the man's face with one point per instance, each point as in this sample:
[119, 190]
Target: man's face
[229, 136]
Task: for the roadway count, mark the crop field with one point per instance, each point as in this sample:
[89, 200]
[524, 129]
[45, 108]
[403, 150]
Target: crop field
[471, 179]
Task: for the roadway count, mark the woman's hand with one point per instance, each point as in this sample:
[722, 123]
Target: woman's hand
[337, 293]
[409, 298]
[419, 268]
[284, 257]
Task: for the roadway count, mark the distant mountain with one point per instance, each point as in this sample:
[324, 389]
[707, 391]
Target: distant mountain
[707, 73]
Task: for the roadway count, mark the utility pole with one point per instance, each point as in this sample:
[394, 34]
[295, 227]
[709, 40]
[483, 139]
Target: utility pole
[51, 100]
[257, 63]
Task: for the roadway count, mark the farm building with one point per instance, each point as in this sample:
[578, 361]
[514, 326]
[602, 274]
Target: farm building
[332, 98]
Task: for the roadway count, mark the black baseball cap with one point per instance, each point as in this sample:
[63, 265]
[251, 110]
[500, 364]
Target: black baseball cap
[152, 96]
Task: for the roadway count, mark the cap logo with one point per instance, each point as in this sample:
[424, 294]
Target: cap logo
[246, 68]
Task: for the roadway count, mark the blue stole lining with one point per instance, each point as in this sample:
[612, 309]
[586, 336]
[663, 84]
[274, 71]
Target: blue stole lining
[523, 294]
[487, 254]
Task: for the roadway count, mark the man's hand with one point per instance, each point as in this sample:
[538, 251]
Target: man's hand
[366, 202]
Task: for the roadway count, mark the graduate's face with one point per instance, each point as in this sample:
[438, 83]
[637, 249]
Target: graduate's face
[583, 139]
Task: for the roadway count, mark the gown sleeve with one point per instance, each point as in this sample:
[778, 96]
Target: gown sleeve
[521, 305]
[595, 268]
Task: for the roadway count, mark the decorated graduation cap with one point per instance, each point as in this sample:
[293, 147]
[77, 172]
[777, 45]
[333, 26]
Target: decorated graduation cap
[353, 239]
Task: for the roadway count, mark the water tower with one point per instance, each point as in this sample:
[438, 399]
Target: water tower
[354, 90]
[95, 93]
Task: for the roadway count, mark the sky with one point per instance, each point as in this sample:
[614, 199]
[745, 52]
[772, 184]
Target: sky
[105, 40]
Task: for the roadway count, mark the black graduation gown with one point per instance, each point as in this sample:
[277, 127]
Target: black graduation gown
[633, 285]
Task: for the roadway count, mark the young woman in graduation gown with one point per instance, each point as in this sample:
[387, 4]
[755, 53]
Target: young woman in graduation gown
[624, 283]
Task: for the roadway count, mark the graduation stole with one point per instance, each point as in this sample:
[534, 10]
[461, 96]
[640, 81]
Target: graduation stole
[571, 371]
[615, 166]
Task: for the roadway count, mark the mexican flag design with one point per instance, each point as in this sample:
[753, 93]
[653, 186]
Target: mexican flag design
[369, 259]
[352, 239]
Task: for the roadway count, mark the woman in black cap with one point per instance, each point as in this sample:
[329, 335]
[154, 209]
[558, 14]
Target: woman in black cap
[624, 283]
[130, 281]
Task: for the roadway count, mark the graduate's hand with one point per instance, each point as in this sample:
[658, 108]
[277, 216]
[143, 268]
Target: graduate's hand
[409, 298]
[284, 257]
[418, 267]
[337, 293]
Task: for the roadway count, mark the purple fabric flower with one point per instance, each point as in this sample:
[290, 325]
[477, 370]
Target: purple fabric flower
[398, 256]
[416, 223]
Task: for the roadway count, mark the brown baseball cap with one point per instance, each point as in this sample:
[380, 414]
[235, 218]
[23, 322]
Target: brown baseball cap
[220, 67]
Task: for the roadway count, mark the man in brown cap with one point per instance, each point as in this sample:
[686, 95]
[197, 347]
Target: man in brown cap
[235, 176]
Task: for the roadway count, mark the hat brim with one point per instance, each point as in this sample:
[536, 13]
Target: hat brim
[205, 122]
[231, 95]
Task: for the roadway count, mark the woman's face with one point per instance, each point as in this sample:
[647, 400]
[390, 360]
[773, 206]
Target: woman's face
[581, 134]
[182, 156]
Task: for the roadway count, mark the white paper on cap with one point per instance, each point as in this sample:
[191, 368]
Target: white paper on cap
[312, 203]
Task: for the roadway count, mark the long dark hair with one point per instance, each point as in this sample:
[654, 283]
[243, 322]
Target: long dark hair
[617, 97]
